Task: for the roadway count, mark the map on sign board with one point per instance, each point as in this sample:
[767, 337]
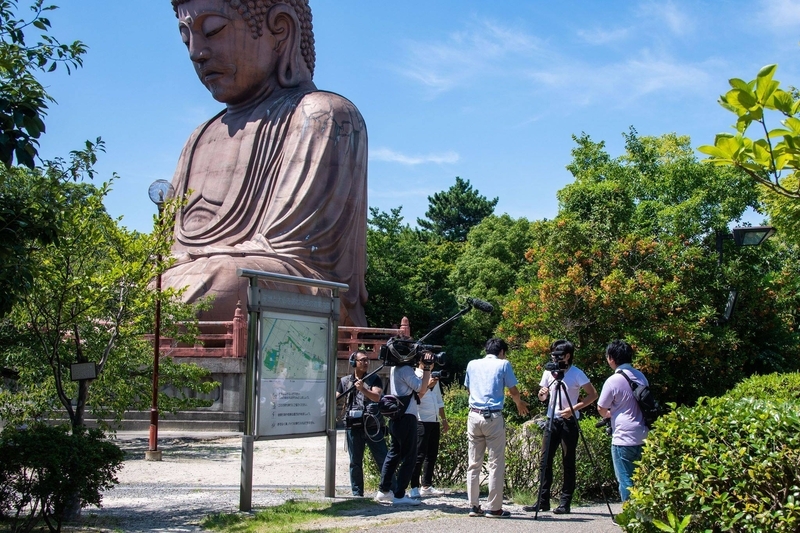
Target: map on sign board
[293, 362]
[294, 349]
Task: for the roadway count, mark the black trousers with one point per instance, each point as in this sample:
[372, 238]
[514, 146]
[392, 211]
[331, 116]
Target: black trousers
[402, 454]
[564, 434]
[427, 451]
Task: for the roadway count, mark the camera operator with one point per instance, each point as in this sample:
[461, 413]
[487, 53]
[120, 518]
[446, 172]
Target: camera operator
[431, 423]
[486, 380]
[627, 423]
[404, 382]
[360, 433]
[564, 431]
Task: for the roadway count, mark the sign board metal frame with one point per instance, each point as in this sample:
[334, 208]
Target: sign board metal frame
[300, 314]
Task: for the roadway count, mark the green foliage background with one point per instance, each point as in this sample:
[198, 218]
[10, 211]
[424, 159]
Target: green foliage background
[631, 254]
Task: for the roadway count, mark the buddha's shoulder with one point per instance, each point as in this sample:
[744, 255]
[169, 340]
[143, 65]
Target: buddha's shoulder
[326, 102]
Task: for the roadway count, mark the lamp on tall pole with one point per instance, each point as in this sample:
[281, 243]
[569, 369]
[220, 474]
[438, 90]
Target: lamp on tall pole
[741, 236]
[160, 191]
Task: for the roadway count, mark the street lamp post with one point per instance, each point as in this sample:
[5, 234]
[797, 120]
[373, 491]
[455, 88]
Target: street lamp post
[160, 191]
[741, 236]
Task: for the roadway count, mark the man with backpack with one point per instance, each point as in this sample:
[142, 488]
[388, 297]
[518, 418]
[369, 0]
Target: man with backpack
[618, 402]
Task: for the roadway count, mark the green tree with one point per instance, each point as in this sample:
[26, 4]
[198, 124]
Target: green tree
[29, 203]
[771, 157]
[23, 99]
[631, 254]
[32, 204]
[453, 212]
[90, 302]
[489, 269]
[406, 274]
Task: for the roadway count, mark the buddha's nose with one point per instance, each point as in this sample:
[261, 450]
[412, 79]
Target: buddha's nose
[199, 52]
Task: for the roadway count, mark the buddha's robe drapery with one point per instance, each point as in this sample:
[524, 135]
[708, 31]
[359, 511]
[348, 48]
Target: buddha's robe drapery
[296, 202]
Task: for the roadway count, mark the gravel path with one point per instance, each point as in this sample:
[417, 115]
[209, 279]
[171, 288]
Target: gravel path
[199, 476]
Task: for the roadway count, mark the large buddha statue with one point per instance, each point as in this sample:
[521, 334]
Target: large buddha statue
[278, 179]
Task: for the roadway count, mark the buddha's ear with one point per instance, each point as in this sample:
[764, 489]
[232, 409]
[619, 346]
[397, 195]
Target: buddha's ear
[282, 22]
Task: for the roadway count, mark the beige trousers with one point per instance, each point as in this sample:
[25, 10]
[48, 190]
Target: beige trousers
[486, 435]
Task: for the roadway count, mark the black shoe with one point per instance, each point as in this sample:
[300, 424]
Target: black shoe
[476, 511]
[497, 514]
[537, 508]
[561, 509]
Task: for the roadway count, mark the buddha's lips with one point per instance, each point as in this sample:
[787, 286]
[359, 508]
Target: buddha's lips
[210, 75]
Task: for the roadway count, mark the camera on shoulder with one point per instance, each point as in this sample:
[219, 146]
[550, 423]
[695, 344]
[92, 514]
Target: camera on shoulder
[401, 351]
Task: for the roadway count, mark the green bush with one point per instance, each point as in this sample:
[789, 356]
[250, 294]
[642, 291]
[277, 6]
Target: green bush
[452, 461]
[775, 386]
[46, 472]
[729, 464]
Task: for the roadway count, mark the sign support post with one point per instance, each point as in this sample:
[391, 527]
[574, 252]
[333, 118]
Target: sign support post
[291, 369]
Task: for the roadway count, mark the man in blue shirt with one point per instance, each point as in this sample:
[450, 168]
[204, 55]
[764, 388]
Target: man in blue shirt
[487, 380]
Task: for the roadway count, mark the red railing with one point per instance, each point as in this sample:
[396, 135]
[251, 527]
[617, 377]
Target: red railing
[229, 339]
[216, 339]
[368, 339]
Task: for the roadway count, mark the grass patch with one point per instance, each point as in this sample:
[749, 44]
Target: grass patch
[287, 517]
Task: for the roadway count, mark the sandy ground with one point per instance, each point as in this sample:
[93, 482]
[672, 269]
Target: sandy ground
[199, 475]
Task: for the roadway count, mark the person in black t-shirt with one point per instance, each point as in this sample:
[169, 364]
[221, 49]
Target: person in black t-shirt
[369, 433]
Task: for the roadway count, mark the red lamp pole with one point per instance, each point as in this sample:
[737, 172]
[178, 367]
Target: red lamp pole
[153, 453]
[159, 192]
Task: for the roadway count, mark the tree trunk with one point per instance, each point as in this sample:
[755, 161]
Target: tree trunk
[72, 510]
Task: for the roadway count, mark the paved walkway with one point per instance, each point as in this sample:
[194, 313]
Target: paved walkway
[199, 476]
[584, 519]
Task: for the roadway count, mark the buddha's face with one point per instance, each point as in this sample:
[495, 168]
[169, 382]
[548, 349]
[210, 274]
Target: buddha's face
[233, 66]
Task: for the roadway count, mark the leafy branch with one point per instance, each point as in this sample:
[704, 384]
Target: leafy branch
[772, 164]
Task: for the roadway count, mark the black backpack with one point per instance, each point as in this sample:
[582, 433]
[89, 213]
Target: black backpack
[394, 407]
[646, 400]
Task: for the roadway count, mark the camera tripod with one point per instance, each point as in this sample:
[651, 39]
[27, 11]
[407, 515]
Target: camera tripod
[555, 401]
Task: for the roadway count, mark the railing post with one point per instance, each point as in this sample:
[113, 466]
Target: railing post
[239, 332]
[405, 327]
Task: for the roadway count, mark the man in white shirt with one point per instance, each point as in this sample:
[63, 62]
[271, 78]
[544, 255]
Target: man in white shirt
[431, 423]
[564, 432]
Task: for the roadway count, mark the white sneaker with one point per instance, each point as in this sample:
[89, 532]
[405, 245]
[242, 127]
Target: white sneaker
[405, 500]
[430, 491]
[415, 493]
[384, 497]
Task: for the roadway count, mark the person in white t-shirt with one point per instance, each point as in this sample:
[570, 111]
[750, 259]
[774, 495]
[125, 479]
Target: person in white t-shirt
[431, 423]
[564, 431]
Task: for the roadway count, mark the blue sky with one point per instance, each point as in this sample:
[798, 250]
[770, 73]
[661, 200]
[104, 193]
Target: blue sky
[488, 91]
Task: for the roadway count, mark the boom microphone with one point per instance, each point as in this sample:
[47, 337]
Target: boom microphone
[486, 307]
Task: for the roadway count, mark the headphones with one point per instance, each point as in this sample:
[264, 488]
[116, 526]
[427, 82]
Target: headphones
[353, 359]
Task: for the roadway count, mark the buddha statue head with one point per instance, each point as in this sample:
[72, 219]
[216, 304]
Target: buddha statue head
[244, 50]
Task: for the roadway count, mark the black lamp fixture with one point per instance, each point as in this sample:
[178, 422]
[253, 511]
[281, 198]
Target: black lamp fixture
[742, 236]
[753, 235]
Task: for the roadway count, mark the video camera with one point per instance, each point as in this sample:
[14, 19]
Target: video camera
[400, 351]
[557, 364]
